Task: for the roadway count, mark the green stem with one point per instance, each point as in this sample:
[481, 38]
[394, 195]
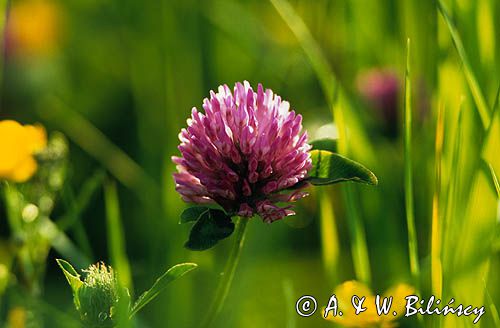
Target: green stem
[357, 234]
[4, 6]
[408, 177]
[228, 274]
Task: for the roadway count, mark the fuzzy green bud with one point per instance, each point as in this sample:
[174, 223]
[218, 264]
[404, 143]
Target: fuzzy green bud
[97, 298]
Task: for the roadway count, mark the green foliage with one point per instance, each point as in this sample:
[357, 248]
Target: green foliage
[212, 225]
[121, 95]
[116, 237]
[71, 275]
[160, 284]
[482, 106]
[329, 168]
[408, 174]
[495, 180]
[193, 214]
[325, 144]
[99, 298]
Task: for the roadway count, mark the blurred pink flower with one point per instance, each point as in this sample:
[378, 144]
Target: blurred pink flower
[380, 88]
[243, 153]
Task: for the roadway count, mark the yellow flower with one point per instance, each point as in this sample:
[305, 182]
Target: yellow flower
[33, 27]
[17, 317]
[368, 318]
[18, 144]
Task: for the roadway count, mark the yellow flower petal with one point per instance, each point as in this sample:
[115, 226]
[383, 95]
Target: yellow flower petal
[398, 293]
[17, 317]
[346, 290]
[368, 318]
[36, 137]
[17, 145]
[34, 27]
[23, 171]
[11, 152]
[344, 294]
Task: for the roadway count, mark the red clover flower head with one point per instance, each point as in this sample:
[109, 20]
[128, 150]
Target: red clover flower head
[245, 153]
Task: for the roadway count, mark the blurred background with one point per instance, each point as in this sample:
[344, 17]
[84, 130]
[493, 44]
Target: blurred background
[118, 80]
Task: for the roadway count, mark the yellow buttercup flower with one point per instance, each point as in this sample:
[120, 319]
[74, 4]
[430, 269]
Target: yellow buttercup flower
[370, 317]
[18, 144]
[33, 27]
[17, 317]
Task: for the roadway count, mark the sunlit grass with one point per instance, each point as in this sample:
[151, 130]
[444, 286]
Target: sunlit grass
[337, 101]
[116, 237]
[482, 106]
[410, 211]
[436, 231]
[123, 81]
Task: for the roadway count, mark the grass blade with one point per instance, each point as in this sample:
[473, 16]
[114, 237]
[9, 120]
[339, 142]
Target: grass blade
[408, 176]
[336, 100]
[62, 243]
[172, 274]
[453, 193]
[496, 102]
[491, 304]
[436, 268]
[329, 236]
[491, 127]
[117, 253]
[4, 8]
[482, 106]
[311, 48]
[48, 230]
[95, 143]
[291, 315]
[116, 237]
[78, 204]
[495, 179]
[227, 276]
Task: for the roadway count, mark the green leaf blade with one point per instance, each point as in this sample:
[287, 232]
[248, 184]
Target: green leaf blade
[408, 172]
[477, 94]
[161, 283]
[325, 144]
[495, 179]
[70, 273]
[116, 236]
[72, 277]
[212, 226]
[329, 168]
[193, 213]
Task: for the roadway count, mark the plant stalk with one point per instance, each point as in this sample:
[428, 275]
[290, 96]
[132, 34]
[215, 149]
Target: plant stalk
[228, 273]
[408, 177]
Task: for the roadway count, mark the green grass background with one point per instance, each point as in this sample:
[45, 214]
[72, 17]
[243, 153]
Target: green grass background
[126, 74]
